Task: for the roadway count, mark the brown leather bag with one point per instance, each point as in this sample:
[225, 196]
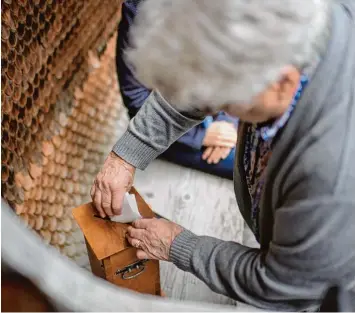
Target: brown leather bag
[111, 256]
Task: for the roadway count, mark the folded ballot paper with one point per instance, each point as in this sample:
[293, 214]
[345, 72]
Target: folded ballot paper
[130, 210]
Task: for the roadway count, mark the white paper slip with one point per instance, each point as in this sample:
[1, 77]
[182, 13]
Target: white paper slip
[130, 211]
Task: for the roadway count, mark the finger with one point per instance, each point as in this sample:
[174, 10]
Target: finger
[143, 223]
[217, 155]
[209, 160]
[133, 241]
[106, 201]
[92, 192]
[227, 139]
[129, 238]
[225, 153]
[230, 135]
[225, 143]
[228, 132]
[117, 200]
[207, 153]
[136, 233]
[97, 202]
[141, 255]
[213, 155]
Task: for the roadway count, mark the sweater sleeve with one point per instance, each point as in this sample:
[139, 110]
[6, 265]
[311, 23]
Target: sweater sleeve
[155, 127]
[298, 266]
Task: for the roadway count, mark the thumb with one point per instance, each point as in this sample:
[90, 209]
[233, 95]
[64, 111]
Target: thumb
[117, 201]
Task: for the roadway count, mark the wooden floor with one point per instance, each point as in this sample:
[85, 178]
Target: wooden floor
[202, 203]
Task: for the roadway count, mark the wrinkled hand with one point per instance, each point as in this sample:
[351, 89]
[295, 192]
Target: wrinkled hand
[220, 134]
[215, 154]
[111, 184]
[153, 237]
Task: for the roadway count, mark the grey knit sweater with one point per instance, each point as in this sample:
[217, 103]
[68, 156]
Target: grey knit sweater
[307, 214]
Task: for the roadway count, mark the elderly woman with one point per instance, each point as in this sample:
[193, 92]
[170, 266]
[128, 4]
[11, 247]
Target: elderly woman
[209, 146]
[286, 68]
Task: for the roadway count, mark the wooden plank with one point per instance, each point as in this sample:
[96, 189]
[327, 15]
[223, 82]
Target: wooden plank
[202, 203]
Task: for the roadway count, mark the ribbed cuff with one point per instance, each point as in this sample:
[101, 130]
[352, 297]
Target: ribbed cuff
[134, 151]
[182, 249]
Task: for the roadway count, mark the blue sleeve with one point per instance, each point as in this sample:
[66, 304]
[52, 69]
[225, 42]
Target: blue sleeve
[194, 137]
[133, 92]
[222, 116]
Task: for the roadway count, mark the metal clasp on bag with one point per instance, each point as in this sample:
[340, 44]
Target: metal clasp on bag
[139, 266]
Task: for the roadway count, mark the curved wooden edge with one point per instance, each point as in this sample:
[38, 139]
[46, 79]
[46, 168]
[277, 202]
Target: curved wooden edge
[72, 288]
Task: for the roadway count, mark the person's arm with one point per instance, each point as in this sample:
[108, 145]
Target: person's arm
[155, 127]
[132, 91]
[313, 245]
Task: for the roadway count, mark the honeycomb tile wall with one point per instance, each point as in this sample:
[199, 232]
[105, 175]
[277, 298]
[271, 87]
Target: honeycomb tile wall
[60, 110]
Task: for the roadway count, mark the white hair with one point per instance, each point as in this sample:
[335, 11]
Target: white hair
[208, 53]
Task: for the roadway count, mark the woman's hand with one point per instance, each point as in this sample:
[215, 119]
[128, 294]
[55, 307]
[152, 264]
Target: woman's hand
[220, 138]
[220, 134]
[153, 237]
